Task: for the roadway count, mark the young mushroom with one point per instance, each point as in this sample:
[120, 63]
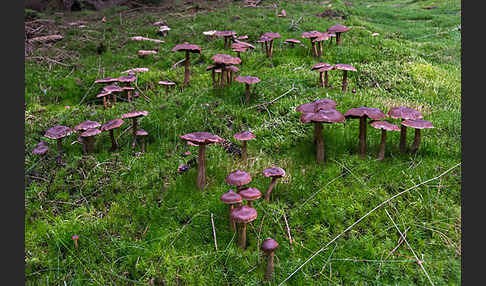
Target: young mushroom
[112, 89]
[292, 42]
[244, 136]
[134, 115]
[322, 37]
[247, 80]
[167, 84]
[345, 68]
[88, 139]
[250, 194]
[41, 148]
[338, 29]
[110, 126]
[268, 247]
[75, 239]
[384, 126]
[188, 48]
[268, 40]
[103, 95]
[145, 53]
[323, 68]
[223, 61]
[228, 37]
[58, 132]
[201, 139]
[127, 80]
[243, 215]
[142, 133]
[238, 179]
[418, 124]
[404, 113]
[231, 198]
[275, 173]
[312, 35]
[363, 113]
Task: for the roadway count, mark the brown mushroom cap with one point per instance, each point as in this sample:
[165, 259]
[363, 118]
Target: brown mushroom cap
[373, 113]
[269, 245]
[231, 197]
[403, 112]
[112, 88]
[323, 115]
[338, 28]
[141, 132]
[127, 78]
[417, 124]
[247, 79]
[295, 41]
[41, 148]
[322, 37]
[166, 82]
[385, 125]
[244, 214]
[242, 37]
[322, 65]
[85, 125]
[245, 44]
[271, 35]
[90, 132]
[135, 70]
[102, 94]
[146, 52]
[112, 124]
[241, 50]
[244, 136]
[311, 34]
[201, 138]
[345, 67]
[274, 172]
[135, 114]
[106, 80]
[232, 68]
[187, 47]
[316, 105]
[250, 194]
[225, 33]
[58, 131]
[223, 59]
[238, 178]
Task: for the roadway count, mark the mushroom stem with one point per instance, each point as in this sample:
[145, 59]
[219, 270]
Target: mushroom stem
[247, 93]
[416, 141]
[314, 50]
[114, 98]
[345, 80]
[270, 266]
[167, 91]
[83, 141]
[75, 243]
[201, 167]
[114, 145]
[266, 49]
[249, 203]
[321, 79]
[105, 106]
[326, 79]
[319, 142]
[338, 38]
[270, 188]
[244, 152]
[232, 221]
[213, 76]
[134, 132]
[129, 95]
[362, 136]
[89, 142]
[271, 48]
[59, 144]
[187, 73]
[319, 49]
[242, 240]
[381, 153]
[403, 139]
[143, 144]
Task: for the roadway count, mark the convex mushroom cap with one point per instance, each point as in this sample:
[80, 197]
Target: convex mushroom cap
[417, 124]
[345, 67]
[41, 148]
[317, 105]
[90, 132]
[201, 138]
[247, 79]
[338, 28]
[85, 125]
[187, 47]
[323, 115]
[269, 245]
[357, 112]
[238, 178]
[250, 194]
[244, 136]
[58, 131]
[385, 125]
[244, 214]
[231, 197]
[112, 124]
[405, 113]
[223, 59]
[135, 114]
[274, 172]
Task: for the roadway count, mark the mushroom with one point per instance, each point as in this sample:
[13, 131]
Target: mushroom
[144, 53]
[241, 44]
[239, 51]
[250, 194]
[231, 71]
[275, 173]
[404, 113]
[112, 89]
[228, 37]
[292, 42]
[188, 48]
[104, 94]
[75, 239]
[268, 38]
[163, 30]
[223, 61]
[338, 29]
[58, 132]
[88, 139]
[238, 179]
[110, 126]
[231, 198]
[167, 84]
[318, 40]
[136, 70]
[268, 247]
[247, 80]
[142, 133]
[316, 105]
[319, 117]
[201, 139]
[312, 35]
[363, 113]
[384, 126]
[127, 79]
[283, 13]
[85, 125]
[323, 68]
[134, 115]
[417, 124]
[345, 68]
[107, 80]
[243, 215]
[242, 37]
[41, 148]
[244, 136]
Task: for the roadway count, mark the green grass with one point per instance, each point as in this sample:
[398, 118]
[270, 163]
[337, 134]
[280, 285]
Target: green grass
[142, 223]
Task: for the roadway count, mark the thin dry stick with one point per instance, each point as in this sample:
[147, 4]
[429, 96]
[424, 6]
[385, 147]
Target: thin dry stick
[275, 99]
[214, 233]
[288, 229]
[411, 249]
[366, 215]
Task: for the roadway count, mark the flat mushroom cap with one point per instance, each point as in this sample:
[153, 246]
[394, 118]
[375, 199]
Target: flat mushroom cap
[245, 44]
[338, 28]
[141, 132]
[106, 80]
[58, 132]
[127, 78]
[345, 67]
[225, 33]
[321, 65]
[269, 245]
[271, 35]
[112, 124]
[238, 178]
[187, 47]
[274, 172]
[85, 125]
[201, 138]
[295, 41]
[135, 70]
[41, 148]
[242, 37]
[90, 132]
[211, 67]
[231, 197]
[311, 34]
[403, 112]
[135, 114]
[244, 136]
[112, 88]
[232, 68]
[146, 52]
[323, 116]
[326, 68]
[244, 214]
[250, 194]
[223, 59]
[166, 82]
[373, 113]
[247, 79]
[322, 37]
[128, 88]
[385, 125]
[417, 124]
[317, 105]
[241, 50]
[103, 94]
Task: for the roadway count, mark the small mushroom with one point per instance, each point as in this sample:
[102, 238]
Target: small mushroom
[268, 247]
[404, 113]
[112, 89]
[41, 148]
[75, 239]
[231, 198]
[188, 48]
[134, 115]
[250, 194]
[322, 37]
[85, 125]
[228, 37]
[292, 42]
[418, 124]
[312, 35]
[323, 68]
[110, 126]
[58, 132]
[275, 173]
[231, 71]
[104, 94]
[163, 30]
[363, 113]
[201, 139]
[243, 215]
[244, 136]
[145, 53]
[268, 38]
[247, 80]
[88, 139]
[167, 85]
[142, 133]
[345, 68]
[239, 51]
[338, 29]
[127, 80]
[238, 179]
[384, 126]
[223, 61]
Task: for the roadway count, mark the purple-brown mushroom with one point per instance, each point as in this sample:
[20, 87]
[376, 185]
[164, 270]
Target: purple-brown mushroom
[110, 126]
[85, 125]
[247, 80]
[104, 94]
[142, 133]
[232, 70]
[201, 139]
[338, 29]
[384, 126]
[345, 68]
[223, 61]
[323, 68]
[363, 113]
[127, 80]
[317, 105]
[88, 139]
[268, 40]
[292, 42]
[238, 179]
[417, 124]
[318, 46]
[167, 84]
[228, 37]
[75, 239]
[134, 115]
[58, 132]
[188, 48]
[112, 89]
[250, 194]
[268, 247]
[243, 215]
[244, 136]
[312, 35]
[404, 113]
[41, 148]
[231, 198]
[275, 173]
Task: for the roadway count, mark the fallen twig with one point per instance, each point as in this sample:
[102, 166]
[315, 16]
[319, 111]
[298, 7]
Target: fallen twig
[275, 99]
[288, 229]
[214, 233]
